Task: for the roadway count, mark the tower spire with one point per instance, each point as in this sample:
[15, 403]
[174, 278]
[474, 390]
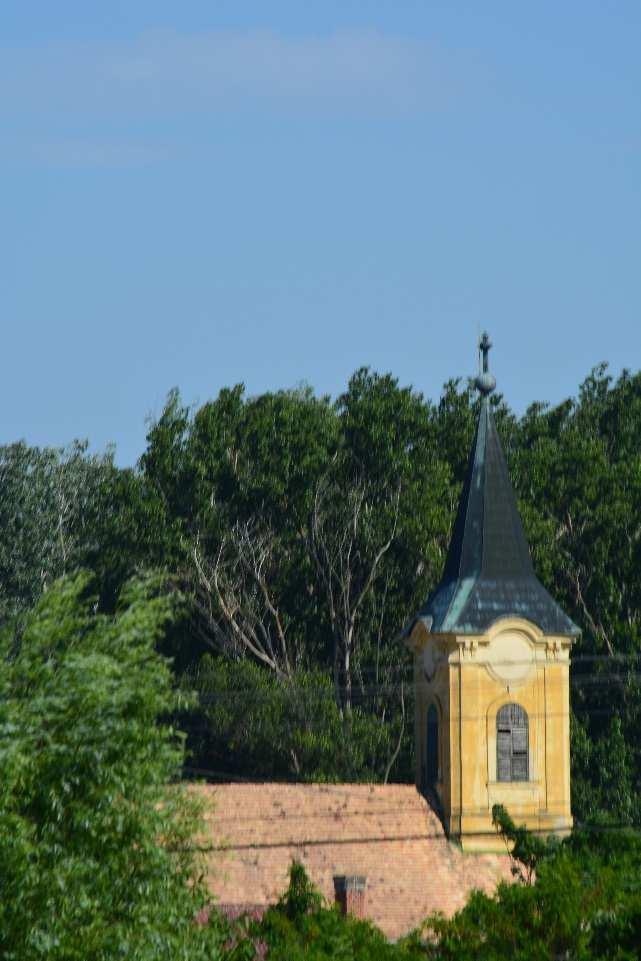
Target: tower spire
[488, 571]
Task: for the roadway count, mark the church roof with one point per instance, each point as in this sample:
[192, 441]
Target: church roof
[488, 572]
[385, 833]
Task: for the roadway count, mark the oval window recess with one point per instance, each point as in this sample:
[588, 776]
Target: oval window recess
[510, 657]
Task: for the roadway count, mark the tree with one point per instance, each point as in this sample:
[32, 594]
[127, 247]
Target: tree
[305, 519]
[241, 612]
[250, 721]
[50, 502]
[97, 854]
[577, 468]
[348, 550]
[306, 532]
[280, 505]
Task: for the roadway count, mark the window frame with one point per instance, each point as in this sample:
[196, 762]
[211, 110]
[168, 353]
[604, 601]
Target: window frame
[512, 744]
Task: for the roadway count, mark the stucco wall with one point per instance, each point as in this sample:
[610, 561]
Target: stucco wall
[469, 679]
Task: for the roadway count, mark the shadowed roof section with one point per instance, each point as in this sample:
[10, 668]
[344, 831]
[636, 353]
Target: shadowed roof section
[488, 572]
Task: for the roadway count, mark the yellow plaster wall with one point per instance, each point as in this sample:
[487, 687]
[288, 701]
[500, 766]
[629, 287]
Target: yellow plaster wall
[469, 679]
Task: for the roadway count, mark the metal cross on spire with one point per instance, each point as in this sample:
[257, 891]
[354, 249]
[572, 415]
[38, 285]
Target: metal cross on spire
[485, 382]
[484, 346]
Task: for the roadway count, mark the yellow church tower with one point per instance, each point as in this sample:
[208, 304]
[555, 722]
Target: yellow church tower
[491, 661]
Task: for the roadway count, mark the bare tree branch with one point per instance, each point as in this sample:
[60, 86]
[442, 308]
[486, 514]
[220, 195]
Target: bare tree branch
[597, 628]
[236, 601]
[347, 552]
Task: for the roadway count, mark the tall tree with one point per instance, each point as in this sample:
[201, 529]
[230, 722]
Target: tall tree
[97, 854]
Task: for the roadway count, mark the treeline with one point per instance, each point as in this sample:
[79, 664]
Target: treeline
[305, 532]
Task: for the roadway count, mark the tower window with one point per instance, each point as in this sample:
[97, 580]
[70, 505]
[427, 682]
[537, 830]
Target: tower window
[432, 746]
[512, 744]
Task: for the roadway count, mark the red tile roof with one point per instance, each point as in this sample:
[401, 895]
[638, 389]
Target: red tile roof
[388, 833]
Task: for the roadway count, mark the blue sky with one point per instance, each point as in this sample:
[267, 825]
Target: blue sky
[200, 193]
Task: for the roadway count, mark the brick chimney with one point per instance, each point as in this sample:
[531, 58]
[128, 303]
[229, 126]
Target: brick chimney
[349, 892]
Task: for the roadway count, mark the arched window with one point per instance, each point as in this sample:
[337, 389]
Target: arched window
[512, 744]
[432, 746]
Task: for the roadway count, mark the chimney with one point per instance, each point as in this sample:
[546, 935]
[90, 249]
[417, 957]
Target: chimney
[349, 893]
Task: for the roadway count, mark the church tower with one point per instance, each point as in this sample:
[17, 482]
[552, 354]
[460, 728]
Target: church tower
[492, 656]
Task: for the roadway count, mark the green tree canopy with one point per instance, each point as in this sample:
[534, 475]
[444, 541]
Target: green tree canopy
[306, 532]
[97, 857]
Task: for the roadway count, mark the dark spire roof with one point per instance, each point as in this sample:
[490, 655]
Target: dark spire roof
[488, 572]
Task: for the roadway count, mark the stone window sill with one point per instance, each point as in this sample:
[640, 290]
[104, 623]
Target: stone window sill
[514, 784]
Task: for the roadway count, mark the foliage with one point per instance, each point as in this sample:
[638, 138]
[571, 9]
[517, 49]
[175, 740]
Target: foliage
[306, 532]
[605, 785]
[583, 904]
[49, 510]
[304, 520]
[303, 533]
[301, 926]
[96, 851]
[249, 720]
[527, 850]
[577, 468]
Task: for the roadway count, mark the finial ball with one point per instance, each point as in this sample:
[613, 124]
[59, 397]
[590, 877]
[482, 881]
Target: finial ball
[485, 383]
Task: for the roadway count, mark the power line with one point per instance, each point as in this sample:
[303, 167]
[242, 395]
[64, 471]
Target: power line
[572, 660]
[186, 721]
[385, 813]
[375, 812]
[358, 693]
[580, 680]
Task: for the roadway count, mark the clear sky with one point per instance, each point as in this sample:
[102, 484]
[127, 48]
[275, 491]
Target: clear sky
[203, 192]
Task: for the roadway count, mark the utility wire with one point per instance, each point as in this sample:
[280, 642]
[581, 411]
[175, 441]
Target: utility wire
[374, 812]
